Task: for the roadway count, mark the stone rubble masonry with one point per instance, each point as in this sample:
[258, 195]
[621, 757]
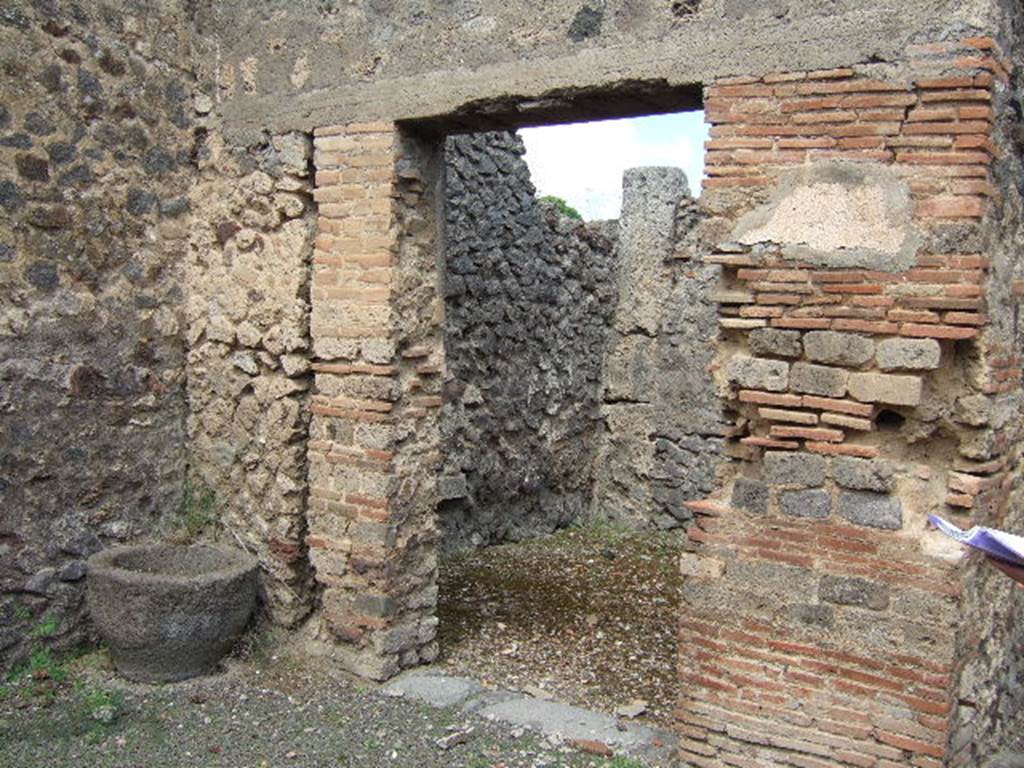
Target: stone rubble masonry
[96, 131]
[832, 636]
[529, 301]
[248, 367]
[662, 416]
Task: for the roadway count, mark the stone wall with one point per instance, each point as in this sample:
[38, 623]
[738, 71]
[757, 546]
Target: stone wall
[662, 422]
[95, 159]
[529, 297]
[249, 371]
[991, 687]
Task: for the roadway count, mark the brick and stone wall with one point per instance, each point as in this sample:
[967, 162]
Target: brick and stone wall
[662, 421]
[95, 163]
[852, 216]
[862, 205]
[529, 296]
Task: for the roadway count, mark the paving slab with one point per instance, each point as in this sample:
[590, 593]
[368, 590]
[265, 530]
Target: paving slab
[559, 722]
[435, 690]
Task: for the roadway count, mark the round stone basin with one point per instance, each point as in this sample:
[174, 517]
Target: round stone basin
[170, 612]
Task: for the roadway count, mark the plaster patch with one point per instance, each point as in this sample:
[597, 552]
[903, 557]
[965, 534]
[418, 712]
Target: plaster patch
[301, 72]
[248, 68]
[837, 215]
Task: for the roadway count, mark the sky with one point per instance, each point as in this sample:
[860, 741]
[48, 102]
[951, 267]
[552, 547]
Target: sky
[583, 162]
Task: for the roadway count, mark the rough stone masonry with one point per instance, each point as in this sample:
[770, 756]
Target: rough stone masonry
[529, 296]
[220, 249]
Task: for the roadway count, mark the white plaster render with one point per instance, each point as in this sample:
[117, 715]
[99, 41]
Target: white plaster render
[837, 215]
[830, 216]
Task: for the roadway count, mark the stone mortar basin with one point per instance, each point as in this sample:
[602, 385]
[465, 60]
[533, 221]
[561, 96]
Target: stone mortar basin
[169, 612]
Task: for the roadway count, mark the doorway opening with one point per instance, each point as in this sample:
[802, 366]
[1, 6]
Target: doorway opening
[569, 437]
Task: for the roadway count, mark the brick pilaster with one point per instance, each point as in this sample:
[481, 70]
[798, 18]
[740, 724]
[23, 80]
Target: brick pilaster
[378, 593]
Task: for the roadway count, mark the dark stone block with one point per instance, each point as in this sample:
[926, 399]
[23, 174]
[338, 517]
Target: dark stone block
[875, 510]
[586, 23]
[111, 64]
[82, 544]
[87, 382]
[175, 94]
[43, 275]
[80, 175]
[815, 503]
[174, 207]
[853, 591]
[61, 153]
[140, 202]
[158, 161]
[786, 468]
[751, 495]
[89, 85]
[813, 615]
[51, 79]
[864, 474]
[226, 230]
[32, 167]
[73, 571]
[10, 196]
[50, 217]
[17, 141]
[7, 253]
[38, 124]
[12, 17]
[379, 606]
[41, 581]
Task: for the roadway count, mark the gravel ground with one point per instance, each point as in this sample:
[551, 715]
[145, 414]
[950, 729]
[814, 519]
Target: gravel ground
[587, 615]
[264, 712]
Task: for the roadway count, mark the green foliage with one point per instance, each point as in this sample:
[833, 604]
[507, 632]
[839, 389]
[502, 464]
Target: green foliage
[22, 613]
[42, 666]
[563, 207]
[97, 711]
[42, 671]
[623, 762]
[199, 508]
[46, 628]
[98, 699]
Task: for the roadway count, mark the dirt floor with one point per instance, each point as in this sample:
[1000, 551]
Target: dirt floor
[270, 709]
[586, 616]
